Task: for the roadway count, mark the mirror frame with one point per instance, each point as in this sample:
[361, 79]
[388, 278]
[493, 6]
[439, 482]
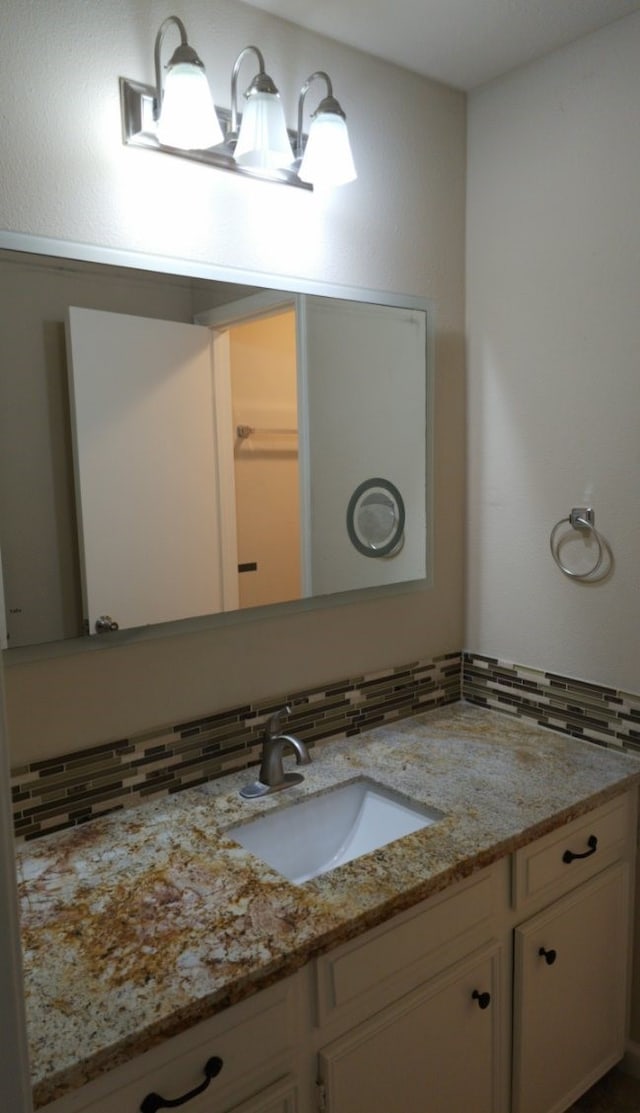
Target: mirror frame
[189, 268]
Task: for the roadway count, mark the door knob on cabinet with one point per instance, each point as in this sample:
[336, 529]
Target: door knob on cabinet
[153, 1102]
[483, 999]
[549, 956]
[105, 624]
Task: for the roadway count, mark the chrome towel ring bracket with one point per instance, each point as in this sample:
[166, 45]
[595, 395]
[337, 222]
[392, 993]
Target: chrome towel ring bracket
[582, 519]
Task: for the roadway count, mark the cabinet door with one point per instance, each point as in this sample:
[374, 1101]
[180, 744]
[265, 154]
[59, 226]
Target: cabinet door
[570, 994]
[434, 1051]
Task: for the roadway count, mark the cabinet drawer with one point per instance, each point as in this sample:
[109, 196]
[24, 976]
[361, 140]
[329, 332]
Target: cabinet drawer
[572, 854]
[282, 1097]
[368, 973]
[255, 1041]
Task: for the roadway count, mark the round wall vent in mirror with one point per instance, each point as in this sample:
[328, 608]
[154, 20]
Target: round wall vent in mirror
[375, 518]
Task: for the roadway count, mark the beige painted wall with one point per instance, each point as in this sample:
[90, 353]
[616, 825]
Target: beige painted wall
[400, 227]
[554, 335]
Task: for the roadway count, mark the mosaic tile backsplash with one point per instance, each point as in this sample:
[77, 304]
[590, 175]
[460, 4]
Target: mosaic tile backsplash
[589, 711]
[76, 787]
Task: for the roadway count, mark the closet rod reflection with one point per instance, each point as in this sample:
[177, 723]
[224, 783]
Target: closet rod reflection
[244, 431]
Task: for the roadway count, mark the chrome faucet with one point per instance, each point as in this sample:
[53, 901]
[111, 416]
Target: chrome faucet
[272, 777]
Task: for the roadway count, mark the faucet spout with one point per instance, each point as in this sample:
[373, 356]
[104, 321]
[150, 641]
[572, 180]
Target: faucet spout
[303, 757]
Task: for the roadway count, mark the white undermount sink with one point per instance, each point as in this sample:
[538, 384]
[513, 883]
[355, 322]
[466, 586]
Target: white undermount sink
[322, 832]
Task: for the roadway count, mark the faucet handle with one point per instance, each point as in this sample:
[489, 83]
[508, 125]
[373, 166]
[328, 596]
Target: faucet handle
[275, 724]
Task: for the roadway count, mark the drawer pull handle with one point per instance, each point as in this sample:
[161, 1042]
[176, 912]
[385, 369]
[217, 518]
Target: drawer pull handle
[483, 999]
[153, 1102]
[592, 843]
[549, 956]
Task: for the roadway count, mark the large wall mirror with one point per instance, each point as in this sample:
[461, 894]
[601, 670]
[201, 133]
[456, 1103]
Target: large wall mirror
[177, 445]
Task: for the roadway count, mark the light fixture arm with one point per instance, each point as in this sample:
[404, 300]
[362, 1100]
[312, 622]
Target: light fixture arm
[183, 53]
[328, 104]
[261, 83]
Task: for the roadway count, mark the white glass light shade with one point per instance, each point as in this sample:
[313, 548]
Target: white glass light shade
[263, 141]
[188, 119]
[327, 159]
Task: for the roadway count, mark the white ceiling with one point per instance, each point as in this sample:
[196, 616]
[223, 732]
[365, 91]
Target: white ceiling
[464, 43]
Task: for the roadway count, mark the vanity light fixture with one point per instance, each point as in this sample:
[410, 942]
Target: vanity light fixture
[326, 159]
[178, 117]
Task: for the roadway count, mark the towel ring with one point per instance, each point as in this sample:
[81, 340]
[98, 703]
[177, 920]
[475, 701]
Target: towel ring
[581, 518]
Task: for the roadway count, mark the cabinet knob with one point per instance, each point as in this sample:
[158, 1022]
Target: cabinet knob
[153, 1102]
[483, 999]
[549, 956]
[571, 856]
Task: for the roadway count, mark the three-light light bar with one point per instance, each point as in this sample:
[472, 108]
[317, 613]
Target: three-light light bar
[178, 116]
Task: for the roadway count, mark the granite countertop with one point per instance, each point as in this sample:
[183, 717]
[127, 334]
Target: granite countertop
[141, 924]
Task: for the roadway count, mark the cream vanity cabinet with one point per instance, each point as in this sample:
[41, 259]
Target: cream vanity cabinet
[505, 993]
